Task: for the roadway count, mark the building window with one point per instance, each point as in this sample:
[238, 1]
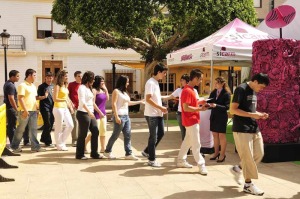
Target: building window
[46, 27]
[257, 3]
[172, 82]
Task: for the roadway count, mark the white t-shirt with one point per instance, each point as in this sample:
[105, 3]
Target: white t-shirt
[152, 87]
[85, 96]
[122, 103]
[177, 93]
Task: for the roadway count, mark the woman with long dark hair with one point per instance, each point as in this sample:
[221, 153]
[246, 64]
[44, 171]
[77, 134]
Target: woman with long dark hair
[220, 101]
[86, 118]
[61, 111]
[121, 120]
[101, 97]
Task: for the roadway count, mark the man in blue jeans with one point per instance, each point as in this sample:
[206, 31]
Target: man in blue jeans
[154, 111]
[27, 95]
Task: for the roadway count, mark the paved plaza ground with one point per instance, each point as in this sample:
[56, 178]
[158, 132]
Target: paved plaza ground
[58, 175]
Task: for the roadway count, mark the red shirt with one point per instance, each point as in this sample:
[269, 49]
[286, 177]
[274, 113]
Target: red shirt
[188, 96]
[73, 93]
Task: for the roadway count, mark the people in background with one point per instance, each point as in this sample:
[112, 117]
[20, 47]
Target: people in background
[247, 136]
[219, 103]
[121, 120]
[27, 96]
[153, 112]
[101, 96]
[63, 108]
[86, 118]
[73, 95]
[45, 90]
[191, 119]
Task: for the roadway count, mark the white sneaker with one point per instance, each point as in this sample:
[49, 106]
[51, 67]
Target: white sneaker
[237, 172]
[252, 189]
[109, 155]
[18, 150]
[154, 163]
[131, 157]
[184, 164]
[146, 155]
[203, 170]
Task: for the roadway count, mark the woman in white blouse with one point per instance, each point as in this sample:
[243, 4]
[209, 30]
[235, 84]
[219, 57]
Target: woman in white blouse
[121, 120]
[86, 118]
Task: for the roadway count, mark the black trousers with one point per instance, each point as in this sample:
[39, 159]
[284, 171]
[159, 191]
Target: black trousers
[48, 119]
[11, 121]
[85, 123]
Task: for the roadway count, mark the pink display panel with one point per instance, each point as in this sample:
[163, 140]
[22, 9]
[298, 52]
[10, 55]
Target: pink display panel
[280, 59]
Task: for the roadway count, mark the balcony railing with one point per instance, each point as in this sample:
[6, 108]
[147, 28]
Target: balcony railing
[16, 42]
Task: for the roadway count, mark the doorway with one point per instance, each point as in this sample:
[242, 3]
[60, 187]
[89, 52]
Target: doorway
[51, 66]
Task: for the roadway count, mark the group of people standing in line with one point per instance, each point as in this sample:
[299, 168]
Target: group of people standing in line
[83, 101]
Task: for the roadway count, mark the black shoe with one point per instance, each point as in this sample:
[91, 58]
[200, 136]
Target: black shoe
[5, 165]
[3, 179]
[7, 152]
[219, 161]
[216, 157]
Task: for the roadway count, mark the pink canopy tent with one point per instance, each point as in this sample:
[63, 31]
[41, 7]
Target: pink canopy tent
[233, 42]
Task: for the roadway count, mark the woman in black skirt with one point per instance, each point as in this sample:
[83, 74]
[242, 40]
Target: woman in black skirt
[220, 100]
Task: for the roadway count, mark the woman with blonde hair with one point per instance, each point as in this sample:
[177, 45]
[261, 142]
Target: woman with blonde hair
[219, 103]
[61, 111]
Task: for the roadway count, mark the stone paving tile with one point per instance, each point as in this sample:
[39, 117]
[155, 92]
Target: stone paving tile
[58, 175]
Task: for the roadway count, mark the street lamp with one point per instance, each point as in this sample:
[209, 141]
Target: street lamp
[5, 36]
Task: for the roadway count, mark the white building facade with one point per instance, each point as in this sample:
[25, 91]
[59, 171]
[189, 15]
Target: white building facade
[39, 43]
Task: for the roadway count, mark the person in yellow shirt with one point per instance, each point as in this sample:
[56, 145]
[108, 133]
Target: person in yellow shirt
[28, 113]
[61, 111]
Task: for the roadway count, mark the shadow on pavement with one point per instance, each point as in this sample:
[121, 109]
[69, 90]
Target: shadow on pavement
[228, 192]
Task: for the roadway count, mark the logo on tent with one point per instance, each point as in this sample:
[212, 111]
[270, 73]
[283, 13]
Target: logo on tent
[224, 53]
[186, 57]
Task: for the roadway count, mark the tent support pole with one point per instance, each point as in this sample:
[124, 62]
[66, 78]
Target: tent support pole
[211, 74]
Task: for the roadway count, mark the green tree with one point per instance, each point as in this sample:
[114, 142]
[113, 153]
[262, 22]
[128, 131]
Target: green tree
[152, 28]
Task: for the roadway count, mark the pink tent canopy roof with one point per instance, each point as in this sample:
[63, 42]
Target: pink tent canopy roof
[232, 42]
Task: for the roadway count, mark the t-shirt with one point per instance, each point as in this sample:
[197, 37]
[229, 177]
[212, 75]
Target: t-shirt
[152, 87]
[177, 93]
[188, 96]
[247, 100]
[28, 90]
[9, 89]
[47, 103]
[73, 93]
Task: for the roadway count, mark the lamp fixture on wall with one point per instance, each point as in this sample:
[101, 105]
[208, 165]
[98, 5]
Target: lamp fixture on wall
[52, 56]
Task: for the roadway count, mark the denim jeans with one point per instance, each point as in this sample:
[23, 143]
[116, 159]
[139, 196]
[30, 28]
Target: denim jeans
[182, 128]
[125, 127]
[156, 130]
[31, 121]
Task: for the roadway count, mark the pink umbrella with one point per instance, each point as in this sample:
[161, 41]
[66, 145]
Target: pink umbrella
[280, 17]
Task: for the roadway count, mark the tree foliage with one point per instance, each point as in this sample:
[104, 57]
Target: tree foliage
[152, 28]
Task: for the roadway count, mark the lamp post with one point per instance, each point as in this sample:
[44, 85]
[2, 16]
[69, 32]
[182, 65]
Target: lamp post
[5, 36]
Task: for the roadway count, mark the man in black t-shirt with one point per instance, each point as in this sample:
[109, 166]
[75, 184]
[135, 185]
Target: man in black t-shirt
[247, 136]
[11, 101]
[46, 106]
